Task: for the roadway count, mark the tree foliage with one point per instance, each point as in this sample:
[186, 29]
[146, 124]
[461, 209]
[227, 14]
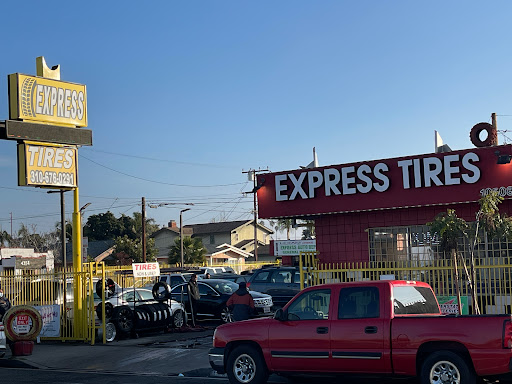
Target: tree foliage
[450, 229]
[193, 251]
[131, 249]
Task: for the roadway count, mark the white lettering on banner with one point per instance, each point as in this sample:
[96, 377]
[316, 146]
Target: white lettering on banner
[68, 102]
[145, 270]
[423, 172]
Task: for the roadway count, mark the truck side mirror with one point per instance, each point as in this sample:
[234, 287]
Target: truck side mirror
[279, 315]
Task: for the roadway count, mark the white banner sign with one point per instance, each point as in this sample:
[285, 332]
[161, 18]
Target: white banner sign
[51, 320]
[145, 270]
[293, 247]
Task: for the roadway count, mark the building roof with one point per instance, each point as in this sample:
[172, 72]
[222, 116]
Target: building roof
[226, 226]
[223, 227]
[164, 229]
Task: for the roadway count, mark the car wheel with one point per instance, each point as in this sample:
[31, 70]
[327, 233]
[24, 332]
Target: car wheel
[446, 367]
[246, 366]
[123, 319]
[178, 319]
[226, 315]
[109, 310]
[110, 332]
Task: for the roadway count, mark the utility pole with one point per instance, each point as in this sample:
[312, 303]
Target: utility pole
[144, 229]
[11, 225]
[251, 173]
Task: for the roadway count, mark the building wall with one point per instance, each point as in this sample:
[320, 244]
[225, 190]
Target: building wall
[247, 233]
[344, 237]
[163, 242]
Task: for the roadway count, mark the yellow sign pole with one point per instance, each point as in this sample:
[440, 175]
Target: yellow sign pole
[77, 264]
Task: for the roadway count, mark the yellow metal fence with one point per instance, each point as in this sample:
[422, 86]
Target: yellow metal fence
[493, 283]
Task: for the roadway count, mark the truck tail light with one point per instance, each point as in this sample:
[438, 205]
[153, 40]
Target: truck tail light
[248, 285]
[507, 335]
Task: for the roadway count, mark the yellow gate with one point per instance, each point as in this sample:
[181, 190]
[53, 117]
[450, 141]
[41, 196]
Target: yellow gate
[493, 283]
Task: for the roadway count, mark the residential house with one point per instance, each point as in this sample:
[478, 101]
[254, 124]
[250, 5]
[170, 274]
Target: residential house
[223, 241]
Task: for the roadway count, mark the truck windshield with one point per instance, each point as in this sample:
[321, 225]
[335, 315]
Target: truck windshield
[410, 300]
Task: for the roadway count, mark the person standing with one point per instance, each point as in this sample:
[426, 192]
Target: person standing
[241, 303]
[5, 304]
[194, 296]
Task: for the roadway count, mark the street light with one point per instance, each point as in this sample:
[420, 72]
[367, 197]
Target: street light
[181, 234]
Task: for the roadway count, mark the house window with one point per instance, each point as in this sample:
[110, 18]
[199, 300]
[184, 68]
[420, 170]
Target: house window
[212, 239]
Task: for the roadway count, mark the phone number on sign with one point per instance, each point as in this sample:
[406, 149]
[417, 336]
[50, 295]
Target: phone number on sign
[54, 178]
[502, 191]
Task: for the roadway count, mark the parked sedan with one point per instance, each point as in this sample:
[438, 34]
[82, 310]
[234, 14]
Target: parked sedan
[214, 296]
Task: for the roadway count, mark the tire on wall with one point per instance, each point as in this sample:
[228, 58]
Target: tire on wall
[446, 367]
[492, 135]
[10, 317]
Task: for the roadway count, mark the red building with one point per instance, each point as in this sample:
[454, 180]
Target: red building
[378, 210]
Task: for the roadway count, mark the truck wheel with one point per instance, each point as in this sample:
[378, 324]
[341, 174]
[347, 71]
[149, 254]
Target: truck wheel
[446, 367]
[178, 319]
[246, 366]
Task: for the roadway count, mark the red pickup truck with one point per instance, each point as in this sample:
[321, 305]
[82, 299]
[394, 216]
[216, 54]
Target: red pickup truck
[388, 327]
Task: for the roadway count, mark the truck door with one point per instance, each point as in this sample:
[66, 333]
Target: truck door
[360, 334]
[301, 343]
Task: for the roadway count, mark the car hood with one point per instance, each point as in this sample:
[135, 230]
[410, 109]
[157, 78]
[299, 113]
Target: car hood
[259, 295]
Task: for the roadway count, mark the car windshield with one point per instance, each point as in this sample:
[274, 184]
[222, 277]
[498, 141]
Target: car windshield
[224, 286]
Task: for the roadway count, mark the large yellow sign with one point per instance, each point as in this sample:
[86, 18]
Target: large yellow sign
[44, 100]
[43, 165]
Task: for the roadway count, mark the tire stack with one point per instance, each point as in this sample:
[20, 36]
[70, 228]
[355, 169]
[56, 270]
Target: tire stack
[150, 316]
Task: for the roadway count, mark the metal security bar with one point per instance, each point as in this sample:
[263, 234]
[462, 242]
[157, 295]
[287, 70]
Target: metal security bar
[493, 284]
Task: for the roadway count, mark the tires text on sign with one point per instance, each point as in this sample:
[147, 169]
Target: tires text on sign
[46, 165]
[145, 270]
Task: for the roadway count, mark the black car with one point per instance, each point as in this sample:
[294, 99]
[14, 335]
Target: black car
[214, 296]
[282, 283]
[235, 278]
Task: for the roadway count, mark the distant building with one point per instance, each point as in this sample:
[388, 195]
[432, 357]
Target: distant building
[224, 240]
[19, 259]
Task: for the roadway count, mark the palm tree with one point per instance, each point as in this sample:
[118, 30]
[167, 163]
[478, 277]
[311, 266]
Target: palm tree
[193, 251]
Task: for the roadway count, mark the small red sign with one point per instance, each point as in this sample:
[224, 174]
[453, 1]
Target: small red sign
[22, 320]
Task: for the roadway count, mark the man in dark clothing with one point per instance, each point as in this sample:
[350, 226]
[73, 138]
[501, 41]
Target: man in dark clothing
[194, 296]
[241, 303]
[5, 304]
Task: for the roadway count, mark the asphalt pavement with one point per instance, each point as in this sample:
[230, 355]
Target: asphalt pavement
[178, 353]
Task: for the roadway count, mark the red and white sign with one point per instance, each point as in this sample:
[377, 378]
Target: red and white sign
[432, 179]
[145, 270]
[22, 324]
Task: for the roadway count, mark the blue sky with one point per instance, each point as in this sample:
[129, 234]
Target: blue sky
[185, 95]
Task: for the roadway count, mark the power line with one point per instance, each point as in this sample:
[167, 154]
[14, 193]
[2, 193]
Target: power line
[163, 160]
[159, 182]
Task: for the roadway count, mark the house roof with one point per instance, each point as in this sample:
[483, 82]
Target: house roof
[164, 229]
[226, 226]
[224, 248]
[223, 227]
